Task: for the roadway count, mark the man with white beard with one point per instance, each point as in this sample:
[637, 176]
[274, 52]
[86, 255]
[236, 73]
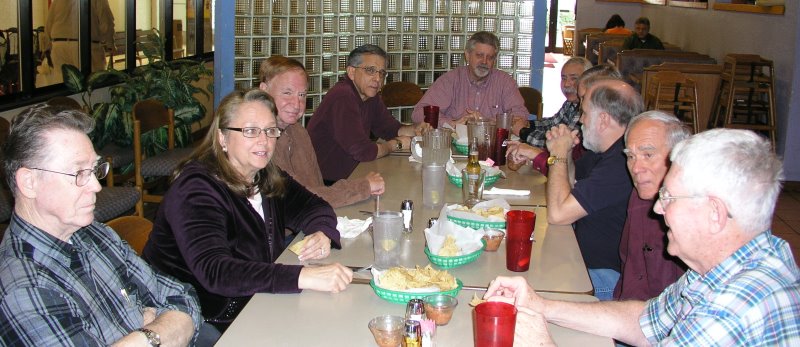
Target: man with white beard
[596, 203]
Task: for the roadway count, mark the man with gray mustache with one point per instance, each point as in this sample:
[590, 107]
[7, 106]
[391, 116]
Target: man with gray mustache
[476, 90]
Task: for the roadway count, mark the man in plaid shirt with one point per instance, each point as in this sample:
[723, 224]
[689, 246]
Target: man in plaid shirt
[742, 286]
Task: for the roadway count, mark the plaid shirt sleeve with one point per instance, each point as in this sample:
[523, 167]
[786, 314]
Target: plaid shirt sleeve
[568, 114]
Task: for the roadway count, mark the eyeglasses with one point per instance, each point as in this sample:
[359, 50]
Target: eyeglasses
[371, 70]
[664, 197]
[82, 177]
[256, 131]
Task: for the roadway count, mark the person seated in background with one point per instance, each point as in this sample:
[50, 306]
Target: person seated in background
[66, 279]
[341, 126]
[286, 81]
[475, 90]
[533, 132]
[523, 152]
[221, 224]
[616, 25]
[742, 286]
[646, 267]
[642, 38]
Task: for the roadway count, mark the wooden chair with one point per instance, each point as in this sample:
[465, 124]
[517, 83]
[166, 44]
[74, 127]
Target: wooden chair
[671, 91]
[402, 96]
[133, 229]
[533, 100]
[150, 115]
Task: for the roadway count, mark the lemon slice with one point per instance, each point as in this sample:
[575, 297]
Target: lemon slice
[388, 245]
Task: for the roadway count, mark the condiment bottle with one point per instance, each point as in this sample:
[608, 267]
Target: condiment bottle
[407, 207]
[415, 309]
[412, 335]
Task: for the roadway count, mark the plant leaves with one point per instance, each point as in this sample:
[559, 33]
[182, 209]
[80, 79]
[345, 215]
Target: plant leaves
[73, 78]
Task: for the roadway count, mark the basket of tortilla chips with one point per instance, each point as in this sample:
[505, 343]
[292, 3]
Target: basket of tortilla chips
[462, 148]
[487, 214]
[400, 284]
[451, 261]
[454, 173]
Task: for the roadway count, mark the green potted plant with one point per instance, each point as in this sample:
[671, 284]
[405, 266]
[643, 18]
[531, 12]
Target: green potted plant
[167, 81]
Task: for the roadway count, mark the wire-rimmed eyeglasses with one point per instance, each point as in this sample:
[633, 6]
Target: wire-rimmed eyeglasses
[256, 131]
[371, 70]
[82, 177]
[664, 197]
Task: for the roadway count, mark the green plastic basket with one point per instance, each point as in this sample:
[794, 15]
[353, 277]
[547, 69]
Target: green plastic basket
[476, 224]
[487, 182]
[461, 149]
[451, 262]
[403, 297]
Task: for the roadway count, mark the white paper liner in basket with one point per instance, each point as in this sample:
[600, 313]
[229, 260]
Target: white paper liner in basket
[451, 210]
[467, 240]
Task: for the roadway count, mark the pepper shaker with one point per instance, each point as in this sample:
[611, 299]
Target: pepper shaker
[407, 207]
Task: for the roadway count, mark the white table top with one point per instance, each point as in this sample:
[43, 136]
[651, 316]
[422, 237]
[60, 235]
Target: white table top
[325, 319]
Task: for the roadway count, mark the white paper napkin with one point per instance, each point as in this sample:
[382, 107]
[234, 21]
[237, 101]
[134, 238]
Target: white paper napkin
[350, 228]
[503, 191]
[462, 136]
[467, 240]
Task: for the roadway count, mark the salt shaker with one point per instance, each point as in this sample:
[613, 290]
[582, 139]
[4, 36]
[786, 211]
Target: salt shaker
[407, 207]
[415, 309]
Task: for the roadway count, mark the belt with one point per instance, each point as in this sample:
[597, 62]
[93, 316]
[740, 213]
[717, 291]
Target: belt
[62, 39]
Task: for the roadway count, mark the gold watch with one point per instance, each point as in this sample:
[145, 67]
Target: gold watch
[551, 160]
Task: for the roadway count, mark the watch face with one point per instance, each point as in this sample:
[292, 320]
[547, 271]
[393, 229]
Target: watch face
[551, 160]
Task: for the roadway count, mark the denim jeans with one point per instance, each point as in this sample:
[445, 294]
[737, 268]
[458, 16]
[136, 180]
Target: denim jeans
[604, 281]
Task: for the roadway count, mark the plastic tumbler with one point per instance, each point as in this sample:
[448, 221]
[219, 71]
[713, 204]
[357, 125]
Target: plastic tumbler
[387, 229]
[500, 146]
[519, 228]
[431, 115]
[493, 324]
[433, 182]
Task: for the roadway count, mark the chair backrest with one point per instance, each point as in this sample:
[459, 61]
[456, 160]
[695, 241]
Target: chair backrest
[151, 114]
[593, 43]
[533, 100]
[133, 229]
[401, 93]
[5, 128]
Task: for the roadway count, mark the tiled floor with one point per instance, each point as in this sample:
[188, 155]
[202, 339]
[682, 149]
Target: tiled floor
[786, 223]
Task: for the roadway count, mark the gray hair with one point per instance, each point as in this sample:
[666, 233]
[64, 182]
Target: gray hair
[485, 38]
[622, 106]
[579, 61]
[356, 56]
[598, 73]
[736, 166]
[26, 143]
[676, 130]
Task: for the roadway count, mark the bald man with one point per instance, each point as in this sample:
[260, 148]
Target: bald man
[597, 202]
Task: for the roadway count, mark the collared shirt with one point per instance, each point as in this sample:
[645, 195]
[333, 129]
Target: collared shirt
[454, 93]
[568, 114]
[752, 298]
[90, 291]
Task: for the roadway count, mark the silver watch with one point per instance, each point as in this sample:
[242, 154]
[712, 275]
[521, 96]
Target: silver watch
[153, 339]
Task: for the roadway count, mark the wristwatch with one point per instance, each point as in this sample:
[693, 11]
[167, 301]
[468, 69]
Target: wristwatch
[398, 146]
[554, 159]
[153, 339]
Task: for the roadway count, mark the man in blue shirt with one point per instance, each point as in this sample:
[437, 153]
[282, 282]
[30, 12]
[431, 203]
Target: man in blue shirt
[742, 286]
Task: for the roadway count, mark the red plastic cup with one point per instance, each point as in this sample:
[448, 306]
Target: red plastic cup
[519, 228]
[493, 324]
[499, 155]
[431, 115]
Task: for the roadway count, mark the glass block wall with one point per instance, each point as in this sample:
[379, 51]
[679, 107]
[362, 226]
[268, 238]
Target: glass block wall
[424, 38]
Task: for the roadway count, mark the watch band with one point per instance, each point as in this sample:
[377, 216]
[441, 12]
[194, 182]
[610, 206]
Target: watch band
[552, 160]
[398, 146]
[153, 339]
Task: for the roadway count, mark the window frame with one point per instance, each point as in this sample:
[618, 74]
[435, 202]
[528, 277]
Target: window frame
[29, 94]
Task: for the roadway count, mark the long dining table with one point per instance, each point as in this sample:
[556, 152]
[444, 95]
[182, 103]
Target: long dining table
[557, 270]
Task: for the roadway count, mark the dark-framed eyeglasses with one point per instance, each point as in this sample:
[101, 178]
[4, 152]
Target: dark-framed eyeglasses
[252, 132]
[82, 177]
[371, 70]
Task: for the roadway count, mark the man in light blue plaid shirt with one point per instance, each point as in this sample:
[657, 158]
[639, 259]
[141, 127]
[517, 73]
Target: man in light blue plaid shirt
[743, 285]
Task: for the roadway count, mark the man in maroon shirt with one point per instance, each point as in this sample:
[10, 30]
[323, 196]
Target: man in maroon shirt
[646, 267]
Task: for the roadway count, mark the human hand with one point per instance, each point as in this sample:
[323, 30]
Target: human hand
[376, 184]
[514, 290]
[405, 140]
[327, 278]
[472, 114]
[561, 139]
[317, 246]
[531, 330]
[421, 128]
[149, 314]
[521, 152]
[517, 124]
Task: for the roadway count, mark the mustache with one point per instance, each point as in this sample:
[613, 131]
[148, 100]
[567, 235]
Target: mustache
[569, 90]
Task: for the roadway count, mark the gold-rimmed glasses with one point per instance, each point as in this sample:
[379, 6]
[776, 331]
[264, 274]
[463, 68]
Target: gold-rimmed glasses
[371, 70]
[252, 132]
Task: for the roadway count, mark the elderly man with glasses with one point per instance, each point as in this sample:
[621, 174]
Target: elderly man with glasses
[742, 286]
[66, 280]
[341, 126]
[476, 89]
